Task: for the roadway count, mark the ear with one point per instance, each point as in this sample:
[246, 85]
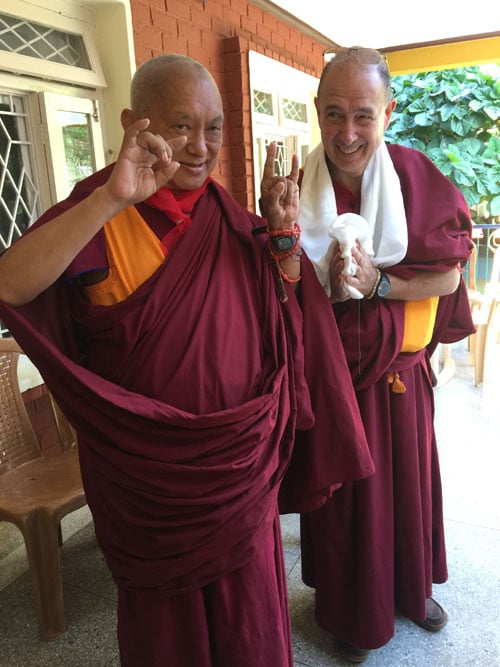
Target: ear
[388, 113]
[316, 104]
[127, 118]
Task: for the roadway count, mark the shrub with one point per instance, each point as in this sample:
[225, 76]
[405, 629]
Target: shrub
[453, 117]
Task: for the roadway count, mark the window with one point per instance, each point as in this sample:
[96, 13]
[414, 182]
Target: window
[47, 42]
[294, 110]
[19, 197]
[263, 103]
[44, 42]
[45, 49]
[75, 149]
[282, 111]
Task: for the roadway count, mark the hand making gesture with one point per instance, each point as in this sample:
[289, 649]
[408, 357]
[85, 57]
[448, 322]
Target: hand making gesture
[145, 163]
[279, 194]
[280, 206]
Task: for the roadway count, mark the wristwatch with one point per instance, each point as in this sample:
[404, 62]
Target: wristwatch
[384, 286]
[283, 243]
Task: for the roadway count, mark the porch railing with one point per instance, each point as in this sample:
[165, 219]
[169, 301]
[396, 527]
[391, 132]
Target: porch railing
[486, 238]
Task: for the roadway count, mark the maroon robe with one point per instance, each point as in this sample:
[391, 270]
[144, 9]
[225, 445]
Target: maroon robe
[186, 397]
[378, 544]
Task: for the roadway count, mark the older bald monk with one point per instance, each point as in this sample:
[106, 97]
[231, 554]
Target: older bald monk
[165, 320]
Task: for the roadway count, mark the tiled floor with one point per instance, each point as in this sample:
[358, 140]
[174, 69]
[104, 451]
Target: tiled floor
[468, 427]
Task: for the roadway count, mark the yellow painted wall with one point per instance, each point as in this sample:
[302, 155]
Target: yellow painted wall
[445, 56]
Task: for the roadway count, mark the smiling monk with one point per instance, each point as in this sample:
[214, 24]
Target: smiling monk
[166, 320]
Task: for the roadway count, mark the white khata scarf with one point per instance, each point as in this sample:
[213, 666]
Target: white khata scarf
[381, 227]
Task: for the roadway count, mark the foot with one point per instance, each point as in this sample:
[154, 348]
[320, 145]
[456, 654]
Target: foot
[436, 617]
[351, 653]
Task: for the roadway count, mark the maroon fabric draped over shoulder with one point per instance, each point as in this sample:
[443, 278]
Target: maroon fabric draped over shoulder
[186, 397]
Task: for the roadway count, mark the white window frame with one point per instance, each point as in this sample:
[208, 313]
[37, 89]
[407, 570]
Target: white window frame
[282, 81]
[50, 104]
[78, 20]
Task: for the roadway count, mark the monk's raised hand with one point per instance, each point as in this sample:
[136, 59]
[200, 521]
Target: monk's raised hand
[145, 163]
[279, 194]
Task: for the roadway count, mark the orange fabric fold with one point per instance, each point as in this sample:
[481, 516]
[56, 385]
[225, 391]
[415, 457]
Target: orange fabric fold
[134, 253]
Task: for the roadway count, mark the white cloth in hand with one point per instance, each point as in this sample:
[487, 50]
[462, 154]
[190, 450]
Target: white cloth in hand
[349, 229]
[381, 206]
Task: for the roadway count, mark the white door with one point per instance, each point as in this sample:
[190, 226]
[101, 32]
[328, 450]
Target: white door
[74, 145]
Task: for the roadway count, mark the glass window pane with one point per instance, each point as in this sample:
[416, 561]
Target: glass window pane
[263, 102]
[42, 42]
[294, 110]
[77, 140]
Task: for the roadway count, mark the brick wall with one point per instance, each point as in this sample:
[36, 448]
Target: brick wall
[219, 33]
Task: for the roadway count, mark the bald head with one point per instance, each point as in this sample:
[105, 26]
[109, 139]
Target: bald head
[154, 78]
[358, 57]
[180, 98]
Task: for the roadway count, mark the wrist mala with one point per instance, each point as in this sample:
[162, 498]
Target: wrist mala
[284, 243]
[278, 255]
[285, 232]
[375, 286]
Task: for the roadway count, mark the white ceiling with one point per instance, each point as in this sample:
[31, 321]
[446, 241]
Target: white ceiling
[392, 23]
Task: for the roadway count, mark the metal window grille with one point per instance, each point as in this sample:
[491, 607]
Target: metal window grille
[293, 110]
[263, 102]
[42, 42]
[282, 160]
[18, 192]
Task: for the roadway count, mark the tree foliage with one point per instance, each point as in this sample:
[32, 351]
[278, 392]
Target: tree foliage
[453, 117]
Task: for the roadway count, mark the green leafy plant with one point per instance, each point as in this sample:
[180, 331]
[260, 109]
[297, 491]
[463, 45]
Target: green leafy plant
[78, 151]
[453, 117]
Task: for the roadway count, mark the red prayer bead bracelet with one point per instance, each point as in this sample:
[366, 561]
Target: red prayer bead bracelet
[285, 232]
[280, 256]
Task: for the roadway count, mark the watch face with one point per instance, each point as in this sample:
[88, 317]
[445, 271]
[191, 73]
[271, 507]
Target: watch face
[384, 286]
[283, 243]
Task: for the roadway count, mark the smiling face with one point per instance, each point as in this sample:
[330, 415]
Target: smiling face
[353, 113]
[182, 99]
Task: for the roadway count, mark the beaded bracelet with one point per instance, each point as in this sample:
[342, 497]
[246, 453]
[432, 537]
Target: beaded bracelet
[278, 257]
[287, 278]
[281, 278]
[375, 286]
[285, 232]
